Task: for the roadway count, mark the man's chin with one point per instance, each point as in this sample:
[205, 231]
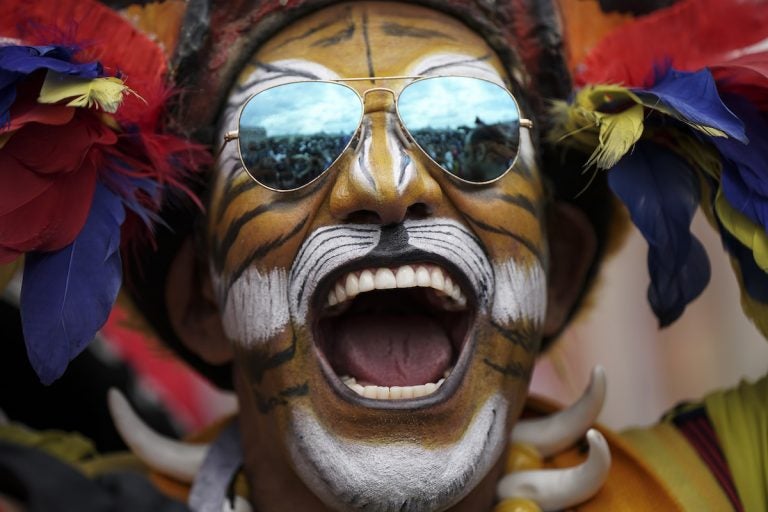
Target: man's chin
[370, 475]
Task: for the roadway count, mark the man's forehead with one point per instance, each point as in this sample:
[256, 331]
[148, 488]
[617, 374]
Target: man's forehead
[374, 39]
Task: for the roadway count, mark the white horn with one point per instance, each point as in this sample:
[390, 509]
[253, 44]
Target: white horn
[555, 433]
[167, 456]
[559, 489]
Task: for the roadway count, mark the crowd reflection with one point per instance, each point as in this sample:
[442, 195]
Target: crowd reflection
[477, 154]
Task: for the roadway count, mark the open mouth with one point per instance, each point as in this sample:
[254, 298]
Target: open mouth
[393, 334]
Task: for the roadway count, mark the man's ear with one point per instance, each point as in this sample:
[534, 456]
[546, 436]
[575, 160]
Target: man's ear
[572, 248]
[192, 307]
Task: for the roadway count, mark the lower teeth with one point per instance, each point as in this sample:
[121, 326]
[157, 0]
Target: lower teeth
[394, 392]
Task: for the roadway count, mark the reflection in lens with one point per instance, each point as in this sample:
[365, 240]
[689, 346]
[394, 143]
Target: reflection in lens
[470, 127]
[290, 134]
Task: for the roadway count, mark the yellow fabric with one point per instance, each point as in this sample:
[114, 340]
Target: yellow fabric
[740, 419]
[66, 446]
[632, 484]
[676, 462]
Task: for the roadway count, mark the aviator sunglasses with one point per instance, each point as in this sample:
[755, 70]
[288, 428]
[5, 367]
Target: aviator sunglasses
[291, 134]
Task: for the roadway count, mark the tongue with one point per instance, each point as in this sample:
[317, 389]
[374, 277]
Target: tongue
[391, 349]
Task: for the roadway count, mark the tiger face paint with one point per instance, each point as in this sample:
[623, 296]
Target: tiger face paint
[385, 317]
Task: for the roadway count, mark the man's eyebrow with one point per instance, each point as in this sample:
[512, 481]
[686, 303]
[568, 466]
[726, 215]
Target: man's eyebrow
[392, 28]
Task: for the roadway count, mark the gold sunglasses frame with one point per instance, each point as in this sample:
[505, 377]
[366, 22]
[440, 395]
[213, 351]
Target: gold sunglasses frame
[235, 134]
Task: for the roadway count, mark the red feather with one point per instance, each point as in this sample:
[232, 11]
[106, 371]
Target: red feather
[142, 150]
[746, 76]
[690, 35]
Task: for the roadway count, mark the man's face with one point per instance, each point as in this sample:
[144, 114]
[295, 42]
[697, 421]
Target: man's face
[399, 397]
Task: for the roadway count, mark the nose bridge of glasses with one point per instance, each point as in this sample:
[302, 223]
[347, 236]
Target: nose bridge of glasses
[379, 99]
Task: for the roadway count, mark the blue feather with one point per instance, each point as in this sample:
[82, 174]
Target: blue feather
[67, 295]
[694, 97]
[18, 62]
[745, 168]
[130, 188]
[662, 193]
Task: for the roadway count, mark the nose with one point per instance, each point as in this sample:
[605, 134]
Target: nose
[381, 182]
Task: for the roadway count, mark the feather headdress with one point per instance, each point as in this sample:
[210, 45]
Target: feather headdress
[84, 163]
[680, 122]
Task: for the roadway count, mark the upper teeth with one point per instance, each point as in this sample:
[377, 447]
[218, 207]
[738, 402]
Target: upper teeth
[384, 278]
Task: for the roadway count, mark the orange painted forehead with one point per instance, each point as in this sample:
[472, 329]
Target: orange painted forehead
[382, 39]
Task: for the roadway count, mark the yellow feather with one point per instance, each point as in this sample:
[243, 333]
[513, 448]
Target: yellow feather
[744, 230]
[106, 93]
[755, 310]
[618, 133]
[8, 270]
[599, 121]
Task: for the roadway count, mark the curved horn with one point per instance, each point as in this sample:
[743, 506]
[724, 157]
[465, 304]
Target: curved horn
[561, 430]
[167, 456]
[559, 489]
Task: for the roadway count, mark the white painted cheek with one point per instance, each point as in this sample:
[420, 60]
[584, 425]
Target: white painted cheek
[256, 307]
[521, 293]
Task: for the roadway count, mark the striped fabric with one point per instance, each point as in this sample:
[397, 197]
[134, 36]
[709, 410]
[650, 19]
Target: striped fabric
[695, 426]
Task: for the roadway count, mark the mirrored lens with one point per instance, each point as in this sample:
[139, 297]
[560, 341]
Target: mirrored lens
[290, 134]
[470, 127]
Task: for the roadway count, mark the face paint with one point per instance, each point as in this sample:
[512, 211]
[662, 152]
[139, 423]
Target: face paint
[400, 476]
[348, 301]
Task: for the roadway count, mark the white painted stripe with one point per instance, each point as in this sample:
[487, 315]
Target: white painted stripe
[256, 307]
[521, 293]
[361, 157]
[456, 64]
[351, 475]
[454, 242]
[325, 250]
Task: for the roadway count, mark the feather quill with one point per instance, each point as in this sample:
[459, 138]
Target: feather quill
[67, 295]
[661, 193]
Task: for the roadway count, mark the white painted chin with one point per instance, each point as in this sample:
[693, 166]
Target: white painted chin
[395, 477]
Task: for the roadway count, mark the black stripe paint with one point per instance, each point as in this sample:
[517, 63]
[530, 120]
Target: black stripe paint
[514, 370]
[264, 249]
[518, 238]
[522, 338]
[397, 30]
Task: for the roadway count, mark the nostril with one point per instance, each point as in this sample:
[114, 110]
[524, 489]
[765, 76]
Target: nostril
[364, 217]
[418, 211]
